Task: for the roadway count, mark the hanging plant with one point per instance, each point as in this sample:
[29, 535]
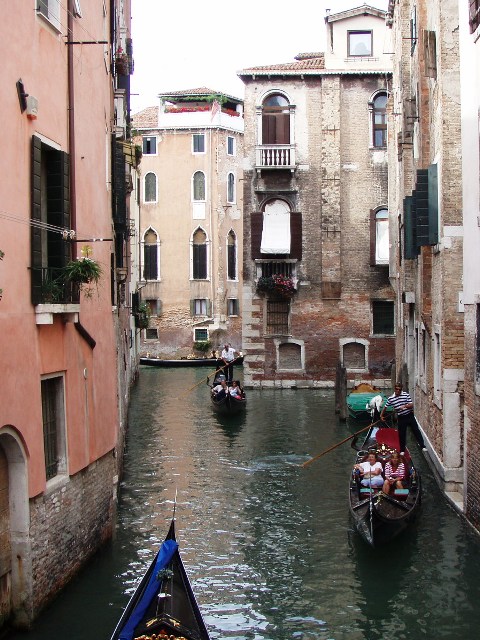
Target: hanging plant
[83, 271]
[122, 66]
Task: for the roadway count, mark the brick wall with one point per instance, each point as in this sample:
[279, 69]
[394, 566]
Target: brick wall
[68, 526]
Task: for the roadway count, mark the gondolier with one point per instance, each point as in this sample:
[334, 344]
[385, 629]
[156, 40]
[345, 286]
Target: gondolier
[402, 402]
[228, 356]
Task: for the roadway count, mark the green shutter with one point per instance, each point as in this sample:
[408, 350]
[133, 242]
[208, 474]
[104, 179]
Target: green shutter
[209, 307]
[192, 307]
[36, 214]
[409, 228]
[433, 204]
[421, 205]
[58, 206]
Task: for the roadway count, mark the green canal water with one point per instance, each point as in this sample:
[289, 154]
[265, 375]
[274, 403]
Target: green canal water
[268, 545]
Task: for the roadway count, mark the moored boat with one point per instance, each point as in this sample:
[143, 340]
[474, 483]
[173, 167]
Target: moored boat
[185, 362]
[359, 398]
[163, 605]
[380, 517]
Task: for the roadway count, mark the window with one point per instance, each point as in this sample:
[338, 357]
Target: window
[51, 10]
[199, 307]
[199, 255]
[474, 15]
[151, 334]
[430, 44]
[276, 237]
[276, 120]
[200, 335]
[198, 141]
[477, 346]
[231, 188]
[290, 356]
[77, 9]
[379, 237]
[50, 206]
[53, 418]
[383, 317]
[150, 192]
[232, 307]
[379, 120]
[360, 44]
[354, 355]
[155, 306]
[150, 255]
[413, 30]
[150, 145]
[199, 186]
[231, 256]
[437, 364]
[277, 317]
[230, 145]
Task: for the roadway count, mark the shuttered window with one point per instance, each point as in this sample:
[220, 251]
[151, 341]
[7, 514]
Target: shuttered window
[150, 255]
[231, 256]
[53, 426]
[199, 256]
[474, 15]
[383, 317]
[276, 120]
[277, 317]
[256, 221]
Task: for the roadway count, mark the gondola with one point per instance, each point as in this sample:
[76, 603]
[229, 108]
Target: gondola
[185, 362]
[358, 399]
[163, 605]
[378, 517]
[227, 404]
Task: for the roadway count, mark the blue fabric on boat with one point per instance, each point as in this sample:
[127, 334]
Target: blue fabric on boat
[166, 553]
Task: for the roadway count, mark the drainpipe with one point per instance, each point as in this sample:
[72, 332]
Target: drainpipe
[71, 125]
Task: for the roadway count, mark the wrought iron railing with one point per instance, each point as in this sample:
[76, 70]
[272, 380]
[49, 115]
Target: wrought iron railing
[49, 286]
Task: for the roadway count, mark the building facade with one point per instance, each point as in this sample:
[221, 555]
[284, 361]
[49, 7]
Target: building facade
[190, 199]
[64, 302]
[316, 282]
[427, 231]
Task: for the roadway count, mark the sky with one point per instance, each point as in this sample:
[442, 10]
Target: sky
[184, 44]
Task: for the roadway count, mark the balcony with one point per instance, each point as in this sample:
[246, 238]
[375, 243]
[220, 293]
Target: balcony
[52, 294]
[275, 156]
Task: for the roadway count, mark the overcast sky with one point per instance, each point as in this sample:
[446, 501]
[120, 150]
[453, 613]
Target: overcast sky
[183, 44]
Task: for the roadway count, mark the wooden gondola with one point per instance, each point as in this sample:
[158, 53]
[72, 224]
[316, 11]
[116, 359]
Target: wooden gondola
[379, 517]
[226, 404]
[184, 362]
[163, 605]
[358, 399]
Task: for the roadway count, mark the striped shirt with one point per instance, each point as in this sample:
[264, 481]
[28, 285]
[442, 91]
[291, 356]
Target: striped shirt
[397, 403]
[398, 474]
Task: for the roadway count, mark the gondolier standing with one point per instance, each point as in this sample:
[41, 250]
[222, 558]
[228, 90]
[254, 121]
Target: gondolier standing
[228, 356]
[401, 401]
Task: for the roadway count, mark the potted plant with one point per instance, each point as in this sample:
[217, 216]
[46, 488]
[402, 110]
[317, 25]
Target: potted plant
[278, 284]
[121, 62]
[142, 316]
[83, 271]
[202, 346]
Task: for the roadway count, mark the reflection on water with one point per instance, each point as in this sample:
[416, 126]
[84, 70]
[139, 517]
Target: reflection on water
[268, 544]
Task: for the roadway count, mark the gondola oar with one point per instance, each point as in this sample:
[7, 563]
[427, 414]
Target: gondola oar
[305, 464]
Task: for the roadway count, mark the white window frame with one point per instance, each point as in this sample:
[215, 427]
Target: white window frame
[199, 306]
[198, 135]
[145, 153]
[62, 469]
[145, 201]
[233, 304]
[207, 255]
[383, 221]
[352, 32]
[204, 186]
[49, 10]
[231, 197]
[195, 334]
[232, 139]
[157, 244]
[366, 345]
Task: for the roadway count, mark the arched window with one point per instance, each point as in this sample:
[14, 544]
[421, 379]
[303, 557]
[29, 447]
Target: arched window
[199, 255]
[199, 186]
[150, 192]
[150, 255]
[231, 188]
[379, 237]
[379, 120]
[231, 256]
[276, 120]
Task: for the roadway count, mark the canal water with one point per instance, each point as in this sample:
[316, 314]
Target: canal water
[268, 545]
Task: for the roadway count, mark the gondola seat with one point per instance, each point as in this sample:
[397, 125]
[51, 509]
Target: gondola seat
[365, 491]
[401, 494]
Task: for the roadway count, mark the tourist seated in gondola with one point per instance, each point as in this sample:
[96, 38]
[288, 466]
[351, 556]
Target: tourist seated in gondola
[394, 473]
[236, 390]
[220, 390]
[370, 471]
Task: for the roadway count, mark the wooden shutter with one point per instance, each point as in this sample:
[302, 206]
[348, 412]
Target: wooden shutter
[283, 128]
[409, 229]
[199, 261]
[232, 261]
[208, 306]
[150, 269]
[119, 195]
[433, 204]
[296, 235]
[373, 238]
[421, 205]
[256, 226]
[58, 206]
[268, 128]
[36, 214]
[430, 48]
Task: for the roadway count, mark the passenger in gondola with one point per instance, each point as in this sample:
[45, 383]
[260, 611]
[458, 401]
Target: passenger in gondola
[220, 390]
[236, 390]
[394, 472]
[370, 471]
